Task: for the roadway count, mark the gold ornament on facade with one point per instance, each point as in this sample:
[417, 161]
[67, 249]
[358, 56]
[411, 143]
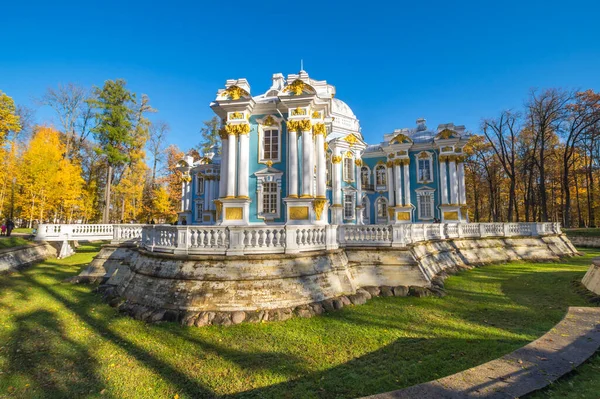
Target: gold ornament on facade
[234, 213]
[424, 155]
[236, 115]
[298, 212]
[447, 149]
[303, 125]
[400, 138]
[219, 206]
[351, 139]
[298, 111]
[358, 162]
[389, 164]
[348, 154]
[296, 87]
[446, 134]
[237, 129]
[235, 92]
[326, 146]
[336, 159]
[316, 115]
[269, 121]
[319, 128]
[318, 206]
[391, 212]
[269, 163]
[223, 133]
[398, 162]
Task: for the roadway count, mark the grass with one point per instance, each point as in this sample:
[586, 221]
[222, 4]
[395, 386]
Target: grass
[10, 242]
[583, 232]
[60, 340]
[23, 230]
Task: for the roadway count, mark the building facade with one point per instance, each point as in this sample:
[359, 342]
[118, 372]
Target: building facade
[296, 155]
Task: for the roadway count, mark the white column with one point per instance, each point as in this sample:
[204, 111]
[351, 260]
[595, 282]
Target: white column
[307, 163]
[243, 167]
[231, 166]
[206, 191]
[321, 172]
[390, 187]
[358, 179]
[183, 195]
[188, 196]
[213, 193]
[453, 182]
[293, 164]
[461, 183]
[336, 179]
[223, 170]
[398, 183]
[443, 181]
[406, 168]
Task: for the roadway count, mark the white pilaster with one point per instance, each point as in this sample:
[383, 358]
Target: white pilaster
[453, 182]
[406, 168]
[243, 167]
[307, 164]
[461, 183]
[231, 166]
[321, 172]
[183, 182]
[337, 210]
[443, 181]
[293, 164]
[391, 186]
[224, 165]
[398, 183]
[206, 193]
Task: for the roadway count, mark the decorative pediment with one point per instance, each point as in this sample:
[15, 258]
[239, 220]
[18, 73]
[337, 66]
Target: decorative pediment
[235, 93]
[268, 171]
[351, 139]
[425, 190]
[298, 87]
[447, 134]
[401, 139]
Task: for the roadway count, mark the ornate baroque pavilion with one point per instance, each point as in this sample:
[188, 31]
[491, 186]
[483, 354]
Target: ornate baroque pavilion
[296, 155]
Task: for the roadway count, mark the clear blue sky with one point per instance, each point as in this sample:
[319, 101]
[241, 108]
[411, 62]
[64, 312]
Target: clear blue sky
[392, 62]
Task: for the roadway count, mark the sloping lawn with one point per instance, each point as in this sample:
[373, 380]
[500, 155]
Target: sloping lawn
[584, 232]
[60, 340]
[10, 242]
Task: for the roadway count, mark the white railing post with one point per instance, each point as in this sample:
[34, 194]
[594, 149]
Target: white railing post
[291, 246]
[182, 240]
[398, 236]
[331, 233]
[236, 241]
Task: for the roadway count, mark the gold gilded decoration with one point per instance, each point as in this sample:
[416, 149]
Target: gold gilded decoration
[358, 162]
[219, 206]
[186, 178]
[269, 163]
[336, 159]
[402, 153]
[403, 216]
[318, 206]
[458, 150]
[303, 125]
[235, 92]
[269, 121]
[234, 213]
[398, 162]
[446, 134]
[326, 146]
[297, 87]
[316, 115]
[348, 154]
[389, 164]
[223, 133]
[451, 215]
[400, 138]
[206, 218]
[351, 139]
[236, 115]
[424, 155]
[237, 129]
[298, 212]
[298, 111]
[391, 212]
[380, 163]
[319, 128]
[446, 149]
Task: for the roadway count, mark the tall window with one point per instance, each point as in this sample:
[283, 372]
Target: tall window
[349, 206]
[348, 169]
[329, 170]
[199, 210]
[200, 187]
[269, 198]
[426, 206]
[270, 145]
[380, 176]
[365, 210]
[364, 177]
[424, 169]
[382, 211]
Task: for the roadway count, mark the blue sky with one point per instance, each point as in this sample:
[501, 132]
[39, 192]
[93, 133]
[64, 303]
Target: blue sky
[392, 62]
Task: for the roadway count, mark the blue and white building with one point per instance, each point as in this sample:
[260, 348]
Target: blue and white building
[296, 155]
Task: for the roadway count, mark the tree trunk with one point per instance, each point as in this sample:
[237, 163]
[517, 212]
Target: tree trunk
[106, 212]
[579, 218]
[567, 194]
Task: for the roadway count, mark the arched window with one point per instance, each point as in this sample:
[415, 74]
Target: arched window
[365, 178]
[269, 140]
[366, 211]
[381, 210]
[424, 167]
[380, 177]
[348, 167]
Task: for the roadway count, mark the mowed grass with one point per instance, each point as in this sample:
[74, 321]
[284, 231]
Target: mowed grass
[60, 340]
[10, 242]
[584, 232]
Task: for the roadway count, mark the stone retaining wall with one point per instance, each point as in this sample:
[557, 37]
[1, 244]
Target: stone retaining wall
[18, 257]
[179, 287]
[591, 280]
[582, 241]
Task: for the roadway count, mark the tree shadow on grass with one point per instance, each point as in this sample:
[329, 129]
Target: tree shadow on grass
[54, 364]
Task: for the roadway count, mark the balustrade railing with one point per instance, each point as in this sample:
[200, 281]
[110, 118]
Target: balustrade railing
[240, 240]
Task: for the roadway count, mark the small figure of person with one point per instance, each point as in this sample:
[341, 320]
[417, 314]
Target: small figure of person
[184, 221]
[3, 229]
[9, 227]
[152, 221]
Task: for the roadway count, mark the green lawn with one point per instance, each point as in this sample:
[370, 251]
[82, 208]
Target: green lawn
[23, 230]
[12, 241]
[585, 232]
[60, 340]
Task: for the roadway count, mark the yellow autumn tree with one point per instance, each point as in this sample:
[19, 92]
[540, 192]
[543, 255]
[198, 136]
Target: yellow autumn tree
[9, 120]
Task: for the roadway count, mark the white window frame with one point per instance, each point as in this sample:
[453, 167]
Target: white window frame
[200, 215]
[199, 184]
[352, 206]
[262, 128]
[329, 168]
[386, 217]
[274, 192]
[380, 187]
[261, 178]
[420, 195]
[420, 157]
[348, 168]
[368, 174]
[366, 204]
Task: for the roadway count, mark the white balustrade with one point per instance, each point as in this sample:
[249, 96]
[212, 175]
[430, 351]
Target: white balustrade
[241, 240]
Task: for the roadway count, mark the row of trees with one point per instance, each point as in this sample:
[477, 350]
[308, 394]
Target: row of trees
[538, 163]
[94, 166]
